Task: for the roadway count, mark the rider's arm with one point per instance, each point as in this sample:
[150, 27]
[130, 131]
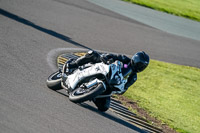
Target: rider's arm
[122, 58]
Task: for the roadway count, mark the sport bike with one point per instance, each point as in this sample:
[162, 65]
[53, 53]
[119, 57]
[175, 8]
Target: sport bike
[91, 81]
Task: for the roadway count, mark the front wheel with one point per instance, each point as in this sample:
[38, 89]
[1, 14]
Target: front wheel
[54, 81]
[82, 94]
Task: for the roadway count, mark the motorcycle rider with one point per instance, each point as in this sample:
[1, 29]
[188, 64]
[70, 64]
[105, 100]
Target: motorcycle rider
[137, 63]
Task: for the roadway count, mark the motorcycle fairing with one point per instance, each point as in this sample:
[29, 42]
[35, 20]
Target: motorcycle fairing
[79, 75]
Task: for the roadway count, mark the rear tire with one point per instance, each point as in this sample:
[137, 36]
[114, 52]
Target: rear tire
[54, 81]
[103, 104]
[80, 95]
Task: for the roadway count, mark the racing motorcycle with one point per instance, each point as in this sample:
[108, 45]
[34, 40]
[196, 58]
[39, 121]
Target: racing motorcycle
[91, 81]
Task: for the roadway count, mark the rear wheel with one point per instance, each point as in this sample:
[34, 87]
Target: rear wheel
[54, 81]
[103, 104]
[82, 94]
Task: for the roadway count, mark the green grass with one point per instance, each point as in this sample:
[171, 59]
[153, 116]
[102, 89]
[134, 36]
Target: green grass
[185, 8]
[170, 93]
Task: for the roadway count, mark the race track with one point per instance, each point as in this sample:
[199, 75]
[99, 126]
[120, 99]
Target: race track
[30, 29]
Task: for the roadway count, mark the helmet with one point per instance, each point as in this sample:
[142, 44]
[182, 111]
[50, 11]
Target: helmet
[139, 61]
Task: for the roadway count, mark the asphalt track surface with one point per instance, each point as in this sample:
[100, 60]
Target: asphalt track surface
[166, 22]
[29, 30]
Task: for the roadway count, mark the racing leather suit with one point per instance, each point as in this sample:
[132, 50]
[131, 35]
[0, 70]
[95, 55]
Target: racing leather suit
[95, 57]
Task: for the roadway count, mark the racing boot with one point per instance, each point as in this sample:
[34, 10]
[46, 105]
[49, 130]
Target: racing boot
[69, 67]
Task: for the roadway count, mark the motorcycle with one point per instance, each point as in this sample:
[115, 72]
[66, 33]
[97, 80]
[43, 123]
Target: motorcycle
[91, 81]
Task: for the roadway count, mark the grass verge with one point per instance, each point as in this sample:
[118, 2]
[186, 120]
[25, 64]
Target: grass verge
[171, 93]
[185, 8]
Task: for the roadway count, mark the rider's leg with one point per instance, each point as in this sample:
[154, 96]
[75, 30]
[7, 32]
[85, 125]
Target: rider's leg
[90, 57]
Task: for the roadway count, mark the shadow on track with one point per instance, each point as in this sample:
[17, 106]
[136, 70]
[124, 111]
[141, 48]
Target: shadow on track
[47, 31]
[106, 115]
[113, 118]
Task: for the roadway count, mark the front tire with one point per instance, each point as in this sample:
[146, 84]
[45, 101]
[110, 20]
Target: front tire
[80, 95]
[54, 81]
